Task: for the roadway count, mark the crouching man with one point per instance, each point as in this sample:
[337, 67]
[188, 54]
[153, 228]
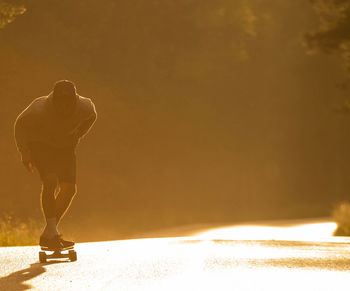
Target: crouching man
[46, 134]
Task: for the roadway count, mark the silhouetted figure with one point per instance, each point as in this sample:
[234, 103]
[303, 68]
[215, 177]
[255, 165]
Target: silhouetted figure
[47, 133]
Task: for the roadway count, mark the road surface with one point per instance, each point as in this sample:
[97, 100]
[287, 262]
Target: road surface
[288, 256]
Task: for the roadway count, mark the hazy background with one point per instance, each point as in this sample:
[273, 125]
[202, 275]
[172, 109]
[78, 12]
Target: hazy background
[208, 111]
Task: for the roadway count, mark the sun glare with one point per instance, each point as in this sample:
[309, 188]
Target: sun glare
[309, 231]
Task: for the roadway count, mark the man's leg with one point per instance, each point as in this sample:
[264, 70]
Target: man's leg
[49, 184]
[64, 199]
[66, 173]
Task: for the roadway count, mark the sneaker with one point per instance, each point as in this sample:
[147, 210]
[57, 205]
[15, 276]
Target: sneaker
[66, 243]
[51, 243]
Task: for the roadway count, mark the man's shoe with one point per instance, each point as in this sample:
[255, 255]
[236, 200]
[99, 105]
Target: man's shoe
[66, 243]
[51, 243]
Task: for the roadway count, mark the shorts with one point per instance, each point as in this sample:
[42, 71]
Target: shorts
[50, 160]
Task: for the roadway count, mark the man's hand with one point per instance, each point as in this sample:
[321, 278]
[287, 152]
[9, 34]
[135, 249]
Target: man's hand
[74, 132]
[27, 162]
[29, 166]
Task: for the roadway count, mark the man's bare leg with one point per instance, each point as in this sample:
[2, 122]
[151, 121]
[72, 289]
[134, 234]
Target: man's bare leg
[49, 184]
[64, 199]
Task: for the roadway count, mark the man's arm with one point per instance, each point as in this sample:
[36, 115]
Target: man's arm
[21, 130]
[85, 126]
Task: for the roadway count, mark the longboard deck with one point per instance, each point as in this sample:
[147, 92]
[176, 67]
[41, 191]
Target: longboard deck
[56, 250]
[71, 254]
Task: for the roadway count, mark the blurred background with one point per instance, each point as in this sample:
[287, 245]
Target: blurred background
[208, 111]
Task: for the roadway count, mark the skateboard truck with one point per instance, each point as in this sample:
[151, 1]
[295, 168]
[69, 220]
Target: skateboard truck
[68, 253]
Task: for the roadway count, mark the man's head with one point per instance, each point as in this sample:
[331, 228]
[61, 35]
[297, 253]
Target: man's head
[64, 97]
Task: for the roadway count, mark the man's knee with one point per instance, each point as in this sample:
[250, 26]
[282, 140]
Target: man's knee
[49, 182]
[69, 189]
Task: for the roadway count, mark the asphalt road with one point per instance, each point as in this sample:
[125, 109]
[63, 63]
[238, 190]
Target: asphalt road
[299, 255]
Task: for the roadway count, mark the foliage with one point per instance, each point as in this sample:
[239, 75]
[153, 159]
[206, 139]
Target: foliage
[9, 12]
[166, 38]
[341, 215]
[15, 232]
[333, 35]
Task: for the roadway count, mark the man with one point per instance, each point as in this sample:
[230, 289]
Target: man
[47, 133]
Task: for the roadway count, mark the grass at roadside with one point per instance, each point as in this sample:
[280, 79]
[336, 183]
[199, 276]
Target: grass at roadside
[16, 232]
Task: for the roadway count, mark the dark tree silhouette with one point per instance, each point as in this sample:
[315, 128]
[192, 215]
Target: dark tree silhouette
[333, 34]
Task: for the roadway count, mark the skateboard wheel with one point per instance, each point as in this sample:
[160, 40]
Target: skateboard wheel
[42, 257]
[72, 256]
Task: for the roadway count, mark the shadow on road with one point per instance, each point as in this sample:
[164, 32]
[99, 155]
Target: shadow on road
[16, 281]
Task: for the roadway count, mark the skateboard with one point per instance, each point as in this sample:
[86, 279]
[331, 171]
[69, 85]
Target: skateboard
[68, 253]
